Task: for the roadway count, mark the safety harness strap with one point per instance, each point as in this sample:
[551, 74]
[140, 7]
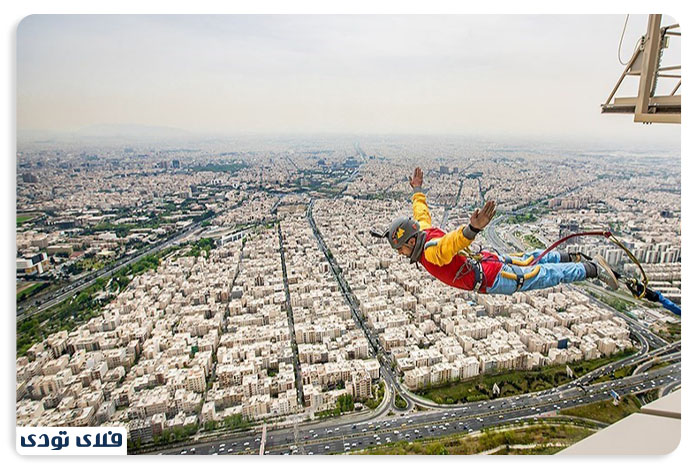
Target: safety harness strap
[479, 277]
[520, 282]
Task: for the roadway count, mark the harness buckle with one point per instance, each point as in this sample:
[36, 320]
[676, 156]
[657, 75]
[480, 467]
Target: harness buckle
[519, 281]
[479, 277]
[480, 282]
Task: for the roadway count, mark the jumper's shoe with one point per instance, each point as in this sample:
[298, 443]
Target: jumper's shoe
[605, 273]
[578, 257]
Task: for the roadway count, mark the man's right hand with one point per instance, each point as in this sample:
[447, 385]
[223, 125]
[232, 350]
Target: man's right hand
[417, 179]
[481, 218]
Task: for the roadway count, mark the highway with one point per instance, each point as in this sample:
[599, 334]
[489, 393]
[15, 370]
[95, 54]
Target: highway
[74, 288]
[320, 438]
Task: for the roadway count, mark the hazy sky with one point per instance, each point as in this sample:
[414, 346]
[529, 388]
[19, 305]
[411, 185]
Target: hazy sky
[537, 76]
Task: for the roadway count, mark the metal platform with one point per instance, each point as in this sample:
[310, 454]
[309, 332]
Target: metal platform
[645, 64]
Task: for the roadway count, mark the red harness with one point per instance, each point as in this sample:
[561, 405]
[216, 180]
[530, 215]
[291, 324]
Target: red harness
[461, 272]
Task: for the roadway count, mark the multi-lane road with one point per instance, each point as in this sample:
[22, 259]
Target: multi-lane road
[340, 437]
[25, 310]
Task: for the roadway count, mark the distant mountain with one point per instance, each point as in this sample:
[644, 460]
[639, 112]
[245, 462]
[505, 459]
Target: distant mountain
[108, 132]
[131, 131]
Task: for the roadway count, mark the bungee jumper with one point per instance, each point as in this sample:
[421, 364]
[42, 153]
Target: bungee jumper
[448, 258]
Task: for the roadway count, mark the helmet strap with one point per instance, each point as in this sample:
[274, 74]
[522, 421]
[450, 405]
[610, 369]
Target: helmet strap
[418, 247]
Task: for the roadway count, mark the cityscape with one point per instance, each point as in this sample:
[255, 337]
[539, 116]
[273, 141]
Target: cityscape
[224, 296]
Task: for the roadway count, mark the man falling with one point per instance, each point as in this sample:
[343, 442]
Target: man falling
[442, 254]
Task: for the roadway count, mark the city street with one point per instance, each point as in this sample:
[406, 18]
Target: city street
[437, 423]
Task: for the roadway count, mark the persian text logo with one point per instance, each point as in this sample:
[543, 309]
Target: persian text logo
[71, 440]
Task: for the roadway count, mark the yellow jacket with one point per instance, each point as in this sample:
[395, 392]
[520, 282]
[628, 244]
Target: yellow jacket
[439, 251]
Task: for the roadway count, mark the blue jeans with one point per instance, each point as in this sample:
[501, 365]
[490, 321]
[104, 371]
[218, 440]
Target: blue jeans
[550, 274]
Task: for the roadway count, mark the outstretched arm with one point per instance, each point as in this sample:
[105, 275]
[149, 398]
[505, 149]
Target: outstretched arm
[443, 250]
[421, 212]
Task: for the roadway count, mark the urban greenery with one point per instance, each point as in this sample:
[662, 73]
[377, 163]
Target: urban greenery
[613, 302]
[532, 241]
[399, 402]
[31, 290]
[670, 332]
[651, 395]
[617, 374]
[660, 365]
[82, 306]
[513, 383]
[550, 437]
[230, 168]
[235, 421]
[606, 411]
[202, 245]
[377, 399]
[344, 404]
[21, 219]
[521, 218]
[89, 262]
[176, 434]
